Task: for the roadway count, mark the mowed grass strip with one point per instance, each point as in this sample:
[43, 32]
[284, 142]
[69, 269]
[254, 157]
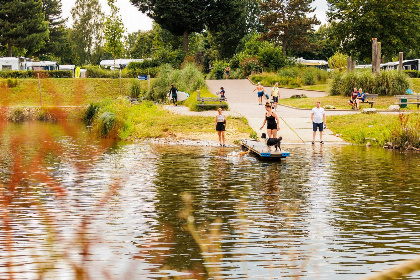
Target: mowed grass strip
[340, 102]
[64, 92]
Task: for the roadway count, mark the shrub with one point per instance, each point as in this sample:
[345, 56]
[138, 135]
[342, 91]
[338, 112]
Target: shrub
[218, 70]
[412, 73]
[97, 72]
[188, 79]
[106, 123]
[135, 89]
[34, 74]
[90, 114]
[386, 83]
[17, 115]
[250, 65]
[337, 61]
[146, 67]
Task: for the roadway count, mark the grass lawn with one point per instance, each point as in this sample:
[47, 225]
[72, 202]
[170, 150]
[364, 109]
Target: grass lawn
[64, 92]
[416, 85]
[340, 102]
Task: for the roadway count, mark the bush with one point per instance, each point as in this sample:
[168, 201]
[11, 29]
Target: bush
[90, 114]
[106, 122]
[97, 72]
[251, 65]
[188, 79]
[293, 77]
[10, 83]
[135, 89]
[337, 61]
[386, 83]
[146, 67]
[34, 74]
[218, 70]
[412, 73]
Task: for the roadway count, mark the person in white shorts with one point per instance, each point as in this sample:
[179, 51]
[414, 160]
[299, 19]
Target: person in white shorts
[319, 121]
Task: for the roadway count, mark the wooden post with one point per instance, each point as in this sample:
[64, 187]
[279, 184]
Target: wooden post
[120, 81]
[40, 92]
[349, 64]
[379, 57]
[374, 54]
[353, 65]
[400, 60]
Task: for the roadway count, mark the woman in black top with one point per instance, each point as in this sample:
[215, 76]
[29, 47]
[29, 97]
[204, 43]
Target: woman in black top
[272, 122]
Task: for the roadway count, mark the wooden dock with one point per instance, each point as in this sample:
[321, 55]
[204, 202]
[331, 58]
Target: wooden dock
[262, 151]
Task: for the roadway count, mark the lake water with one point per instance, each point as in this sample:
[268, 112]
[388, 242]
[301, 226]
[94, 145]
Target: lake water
[73, 205]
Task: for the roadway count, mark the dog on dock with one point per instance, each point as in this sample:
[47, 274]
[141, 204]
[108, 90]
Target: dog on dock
[276, 142]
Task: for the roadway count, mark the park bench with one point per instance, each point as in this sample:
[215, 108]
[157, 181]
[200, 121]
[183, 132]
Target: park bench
[210, 99]
[404, 100]
[371, 97]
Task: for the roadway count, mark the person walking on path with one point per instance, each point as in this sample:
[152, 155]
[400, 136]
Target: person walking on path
[221, 126]
[275, 93]
[173, 91]
[272, 121]
[260, 90]
[227, 71]
[222, 92]
[319, 121]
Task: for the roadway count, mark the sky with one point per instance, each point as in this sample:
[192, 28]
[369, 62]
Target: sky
[134, 20]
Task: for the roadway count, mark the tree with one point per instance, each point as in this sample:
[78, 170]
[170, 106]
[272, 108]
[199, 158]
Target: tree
[287, 23]
[394, 23]
[337, 61]
[23, 25]
[56, 45]
[86, 33]
[114, 31]
[182, 18]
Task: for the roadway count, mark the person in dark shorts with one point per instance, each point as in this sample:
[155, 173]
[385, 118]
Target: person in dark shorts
[221, 126]
[222, 92]
[319, 121]
[227, 71]
[353, 99]
[272, 121]
[260, 90]
[173, 91]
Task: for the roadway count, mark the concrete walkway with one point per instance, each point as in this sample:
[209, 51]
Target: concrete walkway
[295, 124]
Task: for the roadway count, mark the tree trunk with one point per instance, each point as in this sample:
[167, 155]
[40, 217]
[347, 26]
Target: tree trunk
[185, 41]
[10, 48]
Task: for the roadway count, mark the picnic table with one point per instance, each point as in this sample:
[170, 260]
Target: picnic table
[210, 99]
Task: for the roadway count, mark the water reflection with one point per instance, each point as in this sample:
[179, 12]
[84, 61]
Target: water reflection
[73, 206]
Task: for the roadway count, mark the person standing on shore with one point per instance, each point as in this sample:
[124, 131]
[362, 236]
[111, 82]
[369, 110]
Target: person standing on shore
[260, 90]
[272, 121]
[319, 121]
[173, 91]
[275, 93]
[221, 126]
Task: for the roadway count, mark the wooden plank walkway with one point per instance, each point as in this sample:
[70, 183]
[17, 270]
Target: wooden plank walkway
[262, 151]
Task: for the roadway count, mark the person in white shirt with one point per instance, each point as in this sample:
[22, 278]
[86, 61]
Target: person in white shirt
[319, 121]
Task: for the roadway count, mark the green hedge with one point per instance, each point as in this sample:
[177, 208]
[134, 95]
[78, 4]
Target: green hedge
[412, 73]
[34, 74]
[386, 83]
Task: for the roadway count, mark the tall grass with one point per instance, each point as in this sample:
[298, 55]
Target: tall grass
[187, 79]
[386, 83]
[296, 76]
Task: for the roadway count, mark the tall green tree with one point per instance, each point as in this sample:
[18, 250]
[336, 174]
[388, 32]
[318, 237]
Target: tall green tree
[56, 45]
[182, 18]
[22, 25]
[394, 22]
[287, 23]
[86, 35]
[114, 32]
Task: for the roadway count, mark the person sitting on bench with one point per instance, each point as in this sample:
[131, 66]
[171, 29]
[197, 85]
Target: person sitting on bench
[360, 97]
[353, 99]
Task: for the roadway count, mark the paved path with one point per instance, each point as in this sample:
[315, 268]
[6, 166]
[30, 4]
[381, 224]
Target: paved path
[295, 124]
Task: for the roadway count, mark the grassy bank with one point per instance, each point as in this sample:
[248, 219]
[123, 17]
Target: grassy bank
[118, 118]
[340, 102]
[401, 130]
[64, 92]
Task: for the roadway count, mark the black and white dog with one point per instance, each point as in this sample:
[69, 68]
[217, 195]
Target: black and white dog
[276, 142]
